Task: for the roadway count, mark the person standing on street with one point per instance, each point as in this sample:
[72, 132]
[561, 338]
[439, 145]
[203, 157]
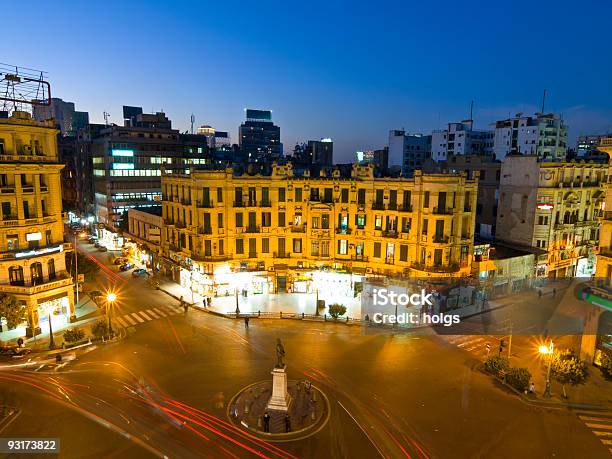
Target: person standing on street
[266, 422]
[246, 322]
[287, 423]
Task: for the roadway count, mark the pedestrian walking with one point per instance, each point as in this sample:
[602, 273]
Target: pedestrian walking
[266, 422]
[488, 349]
[246, 322]
[204, 302]
[540, 293]
[554, 292]
[287, 423]
[532, 388]
[209, 301]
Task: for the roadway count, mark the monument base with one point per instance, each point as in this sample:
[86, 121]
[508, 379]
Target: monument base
[280, 399]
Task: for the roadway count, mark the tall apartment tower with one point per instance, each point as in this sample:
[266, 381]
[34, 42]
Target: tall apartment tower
[32, 258]
[259, 137]
[408, 150]
[460, 139]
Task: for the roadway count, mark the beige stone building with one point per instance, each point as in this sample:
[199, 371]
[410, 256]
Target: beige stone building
[287, 228]
[604, 259]
[32, 248]
[144, 236]
[553, 206]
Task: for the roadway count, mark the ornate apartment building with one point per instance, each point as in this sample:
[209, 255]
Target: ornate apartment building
[32, 258]
[604, 258]
[287, 225]
[553, 206]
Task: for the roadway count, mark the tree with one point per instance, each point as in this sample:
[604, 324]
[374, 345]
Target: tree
[72, 335]
[100, 329]
[15, 312]
[606, 364]
[85, 265]
[495, 365]
[518, 378]
[567, 368]
[336, 310]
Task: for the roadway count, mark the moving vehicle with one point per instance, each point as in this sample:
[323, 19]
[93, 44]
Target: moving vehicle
[126, 266]
[120, 261]
[139, 272]
[102, 248]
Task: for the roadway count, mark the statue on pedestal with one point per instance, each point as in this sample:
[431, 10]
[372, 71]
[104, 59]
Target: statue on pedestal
[280, 354]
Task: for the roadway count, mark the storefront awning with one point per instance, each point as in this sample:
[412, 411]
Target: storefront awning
[52, 297]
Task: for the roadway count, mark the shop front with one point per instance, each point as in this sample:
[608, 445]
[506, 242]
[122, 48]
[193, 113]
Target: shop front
[110, 240]
[55, 308]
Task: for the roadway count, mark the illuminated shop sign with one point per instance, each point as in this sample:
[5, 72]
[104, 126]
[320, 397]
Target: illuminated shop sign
[43, 251]
[123, 166]
[545, 206]
[33, 237]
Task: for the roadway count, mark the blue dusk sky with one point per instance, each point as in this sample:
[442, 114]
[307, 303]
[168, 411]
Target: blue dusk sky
[346, 70]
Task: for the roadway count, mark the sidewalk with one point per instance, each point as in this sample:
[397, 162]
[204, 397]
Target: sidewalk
[266, 302]
[86, 313]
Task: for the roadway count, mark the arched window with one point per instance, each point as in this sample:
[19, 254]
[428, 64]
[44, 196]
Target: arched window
[51, 269]
[16, 275]
[36, 273]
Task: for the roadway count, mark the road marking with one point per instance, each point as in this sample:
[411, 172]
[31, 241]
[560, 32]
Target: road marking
[602, 434]
[599, 426]
[606, 442]
[591, 418]
[161, 313]
[362, 429]
[40, 367]
[129, 319]
[150, 312]
[144, 314]
[137, 317]
[121, 322]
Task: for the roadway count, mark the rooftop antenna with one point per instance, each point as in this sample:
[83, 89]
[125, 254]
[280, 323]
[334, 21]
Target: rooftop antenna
[192, 121]
[472, 111]
[543, 101]
[106, 115]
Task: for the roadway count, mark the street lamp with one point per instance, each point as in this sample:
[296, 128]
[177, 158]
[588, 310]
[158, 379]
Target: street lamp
[51, 342]
[547, 350]
[237, 307]
[317, 302]
[110, 298]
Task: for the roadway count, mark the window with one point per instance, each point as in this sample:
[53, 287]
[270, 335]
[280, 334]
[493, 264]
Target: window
[281, 219]
[438, 257]
[51, 269]
[16, 275]
[12, 242]
[265, 196]
[220, 220]
[221, 247]
[328, 195]
[266, 219]
[281, 246]
[378, 222]
[361, 196]
[298, 194]
[219, 194]
[406, 224]
[239, 246]
[325, 248]
[426, 200]
[297, 245]
[265, 245]
[207, 248]
[36, 273]
[377, 250]
[403, 252]
[360, 221]
[48, 237]
[239, 222]
[238, 196]
[342, 247]
[316, 222]
[344, 195]
[314, 248]
[281, 195]
[325, 221]
[360, 249]
[6, 210]
[425, 225]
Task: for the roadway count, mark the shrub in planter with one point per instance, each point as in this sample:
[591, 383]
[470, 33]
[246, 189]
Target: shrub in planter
[518, 378]
[336, 310]
[606, 364]
[100, 329]
[73, 335]
[495, 365]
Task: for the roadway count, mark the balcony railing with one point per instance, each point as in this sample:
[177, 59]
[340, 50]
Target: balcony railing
[61, 280]
[252, 229]
[454, 267]
[440, 239]
[390, 233]
[238, 203]
[205, 204]
[343, 230]
[392, 206]
[405, 208]
[443, 210]
[282, 255]
[265, 203]
[298, 228]
[378, 206]
[205, 230]
[362, 258]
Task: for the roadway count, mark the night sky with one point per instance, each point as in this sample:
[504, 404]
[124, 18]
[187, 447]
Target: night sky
[350, 70]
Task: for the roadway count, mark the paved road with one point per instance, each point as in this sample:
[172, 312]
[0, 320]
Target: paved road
[392, 395]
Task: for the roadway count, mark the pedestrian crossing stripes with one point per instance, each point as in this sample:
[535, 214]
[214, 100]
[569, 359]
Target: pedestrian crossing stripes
[480, 346]
[600, 423]
[146, 315]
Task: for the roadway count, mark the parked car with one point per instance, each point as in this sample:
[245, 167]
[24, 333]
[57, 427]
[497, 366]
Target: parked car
[15, 351]
[92, 240]
[120, 261]
[139, 272]
[102, 248]
[126, 266]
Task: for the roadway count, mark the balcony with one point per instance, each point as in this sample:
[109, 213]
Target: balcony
[378, 206]
[7, 189]
[298, 228]
[205, 230]
[266, 203]
[405, 208]
[440, 239]
[61, 280]
[343, 230]
[454, 267]
[252, 254]
[209, 258]
[205, 204]
[390, 260]
[467, 208]
[361, 258]
[392, 206]
[238, 203]
[282, 255]
[443, 210]
[252, 229]
[251, 203]
[390, 233]
[186, 202]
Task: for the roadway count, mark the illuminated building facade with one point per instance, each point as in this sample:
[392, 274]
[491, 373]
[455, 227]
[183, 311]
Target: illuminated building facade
[553, 206]
[32, 248]
[604, 258]
[284, 231]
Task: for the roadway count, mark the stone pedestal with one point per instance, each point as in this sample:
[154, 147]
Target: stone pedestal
[280, 399]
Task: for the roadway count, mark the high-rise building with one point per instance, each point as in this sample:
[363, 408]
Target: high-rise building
[128, 162]
[379, 158]
[66, 118]
[543, 135]
[259, 137]
[460, 139]
[279, 229]
[408, 150]
[32, 248]
[321, 151]
[553, 206]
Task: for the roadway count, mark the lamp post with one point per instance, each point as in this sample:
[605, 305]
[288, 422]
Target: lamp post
[237, 307]
[51, 341]
[547, 350]
[110, 298]
[317, 301]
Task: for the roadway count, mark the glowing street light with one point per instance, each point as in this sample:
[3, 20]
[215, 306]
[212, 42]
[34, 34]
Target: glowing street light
[110, 298]
[547, 350]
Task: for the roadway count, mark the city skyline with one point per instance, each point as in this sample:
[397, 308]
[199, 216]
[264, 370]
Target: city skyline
[348, 80]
